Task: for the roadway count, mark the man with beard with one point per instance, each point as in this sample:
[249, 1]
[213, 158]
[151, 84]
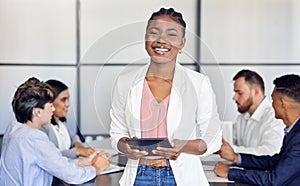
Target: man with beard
[282, 168]
[256, 131]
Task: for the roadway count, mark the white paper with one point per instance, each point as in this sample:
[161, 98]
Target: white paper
[111, 169]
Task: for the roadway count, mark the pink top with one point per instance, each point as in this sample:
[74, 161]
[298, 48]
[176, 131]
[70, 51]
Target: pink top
[153, 115]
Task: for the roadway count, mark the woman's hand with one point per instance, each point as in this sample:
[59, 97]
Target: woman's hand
[171, 153]
[84, 151]
[134, 154]
[86, 161]
[197, 146]
[101, 161]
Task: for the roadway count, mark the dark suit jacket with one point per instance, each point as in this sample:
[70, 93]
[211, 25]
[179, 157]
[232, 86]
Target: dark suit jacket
[280, 169]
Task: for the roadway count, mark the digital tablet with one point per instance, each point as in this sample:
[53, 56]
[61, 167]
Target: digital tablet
[148, 144]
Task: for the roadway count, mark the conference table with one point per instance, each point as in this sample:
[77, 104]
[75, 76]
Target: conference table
[112, 179]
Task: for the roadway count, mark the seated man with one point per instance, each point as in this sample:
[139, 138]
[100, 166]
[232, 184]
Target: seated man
[256, 130]
[28, 157]
[282, 168]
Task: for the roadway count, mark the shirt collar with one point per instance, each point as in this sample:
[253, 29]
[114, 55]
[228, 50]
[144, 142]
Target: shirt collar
[288, 129]
[259, 112]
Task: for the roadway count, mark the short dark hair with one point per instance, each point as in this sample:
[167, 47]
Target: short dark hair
[175, 16]
[58, 87]
[288, 85]
[252, 78]
[31, 94]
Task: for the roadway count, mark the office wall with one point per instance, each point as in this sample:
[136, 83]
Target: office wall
[37, 32]
[38, 38]
[12, 76]
[253, 34]
[113, 31]
[113, 41]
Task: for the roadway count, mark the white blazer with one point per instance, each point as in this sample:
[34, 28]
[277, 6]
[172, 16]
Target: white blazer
[192, 114]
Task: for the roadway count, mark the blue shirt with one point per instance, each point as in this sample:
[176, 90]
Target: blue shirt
[29, 158]
[288, 129]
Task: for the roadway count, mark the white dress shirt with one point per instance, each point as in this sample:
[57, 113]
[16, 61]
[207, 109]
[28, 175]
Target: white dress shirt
[62, 135]
[260, 134]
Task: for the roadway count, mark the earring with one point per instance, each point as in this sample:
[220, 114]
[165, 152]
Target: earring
[180, 51]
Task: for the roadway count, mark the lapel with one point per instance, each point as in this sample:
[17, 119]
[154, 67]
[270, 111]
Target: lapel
[175, 105]
[135, 96]
[51, 134]
[288, 137]
[182, 107]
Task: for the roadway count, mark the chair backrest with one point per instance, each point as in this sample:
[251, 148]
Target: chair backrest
[227, 131]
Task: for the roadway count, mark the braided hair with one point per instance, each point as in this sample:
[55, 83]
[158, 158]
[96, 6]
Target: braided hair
[175, 16]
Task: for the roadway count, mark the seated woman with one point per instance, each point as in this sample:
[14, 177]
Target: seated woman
[28, 157]
[63, 138]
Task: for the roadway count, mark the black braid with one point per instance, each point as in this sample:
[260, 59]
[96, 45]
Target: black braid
[176, 16]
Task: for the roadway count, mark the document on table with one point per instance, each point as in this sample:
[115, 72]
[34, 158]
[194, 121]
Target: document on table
[114, 161]
[111, 169]
[211, 176]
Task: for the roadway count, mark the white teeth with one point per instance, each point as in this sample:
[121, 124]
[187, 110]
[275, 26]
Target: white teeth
[162, 49]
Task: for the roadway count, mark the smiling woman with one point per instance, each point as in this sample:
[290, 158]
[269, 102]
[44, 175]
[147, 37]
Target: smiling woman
[58, 132]
[165, 100]
[165, 36]
[64, 139]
